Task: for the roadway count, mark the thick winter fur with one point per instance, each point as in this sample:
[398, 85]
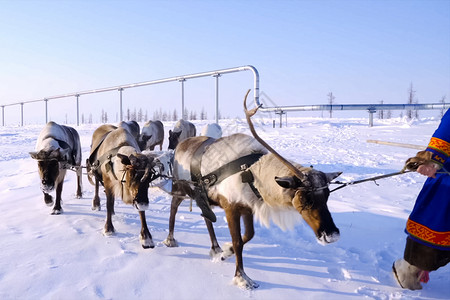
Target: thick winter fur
[121, 174]
[132, 127]
[152, 135]
[57, 148]
[212, 130]
[283, 201]
[182, 130]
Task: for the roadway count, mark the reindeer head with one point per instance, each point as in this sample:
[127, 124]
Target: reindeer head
[142, 141]
[309, 190]
[174, 138]
[48, 166]
[137, 174]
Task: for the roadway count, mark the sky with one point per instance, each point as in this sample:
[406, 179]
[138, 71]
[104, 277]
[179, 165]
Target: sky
[361, 51]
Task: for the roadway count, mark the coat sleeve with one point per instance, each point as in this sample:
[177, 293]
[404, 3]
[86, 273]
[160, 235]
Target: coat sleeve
[439, 144]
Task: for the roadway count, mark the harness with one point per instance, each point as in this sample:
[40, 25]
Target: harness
[93, 165]
[238, 165]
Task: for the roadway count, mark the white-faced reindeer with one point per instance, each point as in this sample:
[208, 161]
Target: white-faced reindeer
[58, 148]
[182, 130]
[241, 176]
[116, 162]
[152, 135]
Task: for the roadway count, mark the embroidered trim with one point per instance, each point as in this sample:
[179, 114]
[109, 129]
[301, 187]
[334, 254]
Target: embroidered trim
[440, 145]
[426, 234]
[440, 150]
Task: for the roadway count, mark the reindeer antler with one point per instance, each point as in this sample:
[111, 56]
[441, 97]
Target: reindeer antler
[248, 115]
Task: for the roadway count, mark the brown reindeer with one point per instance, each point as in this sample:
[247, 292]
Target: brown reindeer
[58, 148]
[115, 161]
[238, 174]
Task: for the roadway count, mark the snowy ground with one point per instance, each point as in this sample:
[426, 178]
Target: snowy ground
[67, 257]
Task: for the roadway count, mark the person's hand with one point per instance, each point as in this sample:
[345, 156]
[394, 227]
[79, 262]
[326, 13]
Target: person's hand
[428, 169]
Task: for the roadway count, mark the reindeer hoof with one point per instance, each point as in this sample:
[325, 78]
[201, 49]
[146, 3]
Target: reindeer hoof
[108, 230]
[216, 254]
[170, 243]
[227, 252]
[97, 208]
[245, 282]
[147, 243]
[57, 211]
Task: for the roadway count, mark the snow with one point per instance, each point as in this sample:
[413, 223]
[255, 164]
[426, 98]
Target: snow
[67, 257]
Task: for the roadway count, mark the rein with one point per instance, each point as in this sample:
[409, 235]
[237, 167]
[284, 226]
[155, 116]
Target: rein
[344, 184]
[403, 171]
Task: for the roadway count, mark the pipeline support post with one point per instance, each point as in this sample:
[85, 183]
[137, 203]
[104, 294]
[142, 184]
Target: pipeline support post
[281, 113]
[46, 110]
[21, 114]
[78, 109]
[182, 80]
[371, 111]
[217, 96]
[3, 115]
[120, 105]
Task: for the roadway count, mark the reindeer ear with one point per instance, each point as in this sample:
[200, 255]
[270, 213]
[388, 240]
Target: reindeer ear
[124, 159]
[63, 154]
[34, 155]
[145, 138]
[287, 182]
[331, 176]
[56, 154]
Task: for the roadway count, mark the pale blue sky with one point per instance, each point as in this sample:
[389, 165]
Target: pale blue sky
[362, 51]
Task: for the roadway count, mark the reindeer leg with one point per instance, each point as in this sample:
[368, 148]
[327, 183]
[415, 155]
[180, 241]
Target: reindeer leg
[240, 278]
[48, 199]
[57, 208]
[215, 248]
[79, 183]
[109, 228]
[145, 237]
[96, 200]
[170, 241]
[247, 216]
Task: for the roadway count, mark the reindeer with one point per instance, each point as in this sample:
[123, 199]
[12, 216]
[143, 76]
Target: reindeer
[132, 127]
[247, 178]
[152, 135]
[212, 130]
[58, 148]
[115, 161]
[182, 130]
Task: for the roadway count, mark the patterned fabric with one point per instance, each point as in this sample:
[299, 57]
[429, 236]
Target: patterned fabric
[429, 222]
[426, 234]
[440, 150]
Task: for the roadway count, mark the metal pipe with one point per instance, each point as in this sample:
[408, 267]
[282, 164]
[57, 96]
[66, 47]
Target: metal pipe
[177, 78]
[3, 115]
[368, 107]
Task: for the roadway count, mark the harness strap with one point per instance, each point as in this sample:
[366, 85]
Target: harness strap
[238, 165]
[196, 162]
[101, 160]
[247, 177]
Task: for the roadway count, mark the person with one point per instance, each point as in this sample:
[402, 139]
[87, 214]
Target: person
[428, 226]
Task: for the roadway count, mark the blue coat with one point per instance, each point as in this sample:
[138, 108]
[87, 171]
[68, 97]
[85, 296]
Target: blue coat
[429, 222]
